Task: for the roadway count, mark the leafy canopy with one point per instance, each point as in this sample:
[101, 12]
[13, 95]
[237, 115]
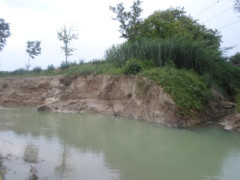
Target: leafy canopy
[235, 59]
[66, 35]
[170, 23]
[4, 33]
[174, 23]
[33, 49]
[130, 21]
[237, 5]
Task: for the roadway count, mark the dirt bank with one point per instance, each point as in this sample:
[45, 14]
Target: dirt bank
[127, 96]
[231, 122]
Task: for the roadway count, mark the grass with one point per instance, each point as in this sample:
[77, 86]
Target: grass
[94, 67]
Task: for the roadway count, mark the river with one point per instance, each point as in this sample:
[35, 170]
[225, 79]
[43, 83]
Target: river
[100, 147]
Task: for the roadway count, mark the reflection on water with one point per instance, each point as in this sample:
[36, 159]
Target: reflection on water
[93, 146]
[62, 168]
[30, 153]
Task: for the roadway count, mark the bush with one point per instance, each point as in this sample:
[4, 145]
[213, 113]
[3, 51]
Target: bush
[97, 61]
[237, 100]
[66, 65]
[225, 75]
[181, 53]
[19, 71]
[50, 67]
[37, 69]
[186, 88]
[132, 67]
[80, 62]
[235, 59]
[4, 73]
[147, 64]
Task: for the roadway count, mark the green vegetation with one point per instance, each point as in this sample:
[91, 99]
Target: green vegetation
[37, 69]
[50, 67]
[174, 23]
[132, 66]
[4, 33]
[33, 49]
[187, 89]
[173, 38]
[237, 100]
[130, 21]
[93, 67]
[224, 76]
[168, 47]
[184, 52]
[66, 35]
[235, 59]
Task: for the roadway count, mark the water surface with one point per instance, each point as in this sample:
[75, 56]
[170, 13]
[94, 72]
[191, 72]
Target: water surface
[100, 147]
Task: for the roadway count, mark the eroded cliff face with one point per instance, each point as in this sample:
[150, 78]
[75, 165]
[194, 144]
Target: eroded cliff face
[127, 96]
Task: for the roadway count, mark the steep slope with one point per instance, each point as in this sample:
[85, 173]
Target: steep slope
[128, 96]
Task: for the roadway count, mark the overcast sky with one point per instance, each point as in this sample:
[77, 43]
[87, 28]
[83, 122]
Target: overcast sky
[41, 19]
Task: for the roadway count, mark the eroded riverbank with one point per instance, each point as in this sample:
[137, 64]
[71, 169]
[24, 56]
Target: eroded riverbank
[128, 96]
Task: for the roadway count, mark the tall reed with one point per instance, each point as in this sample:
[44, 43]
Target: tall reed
[185, 53]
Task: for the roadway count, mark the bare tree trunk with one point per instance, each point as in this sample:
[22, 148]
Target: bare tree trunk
[66, 60]
[28, 65]
[66, 54]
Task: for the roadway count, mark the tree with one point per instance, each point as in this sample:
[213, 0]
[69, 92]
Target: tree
[67, 35]
[4, 33]
[129, 20]
[237, 5]
[174, 22]
[33, 49]
[235, 59]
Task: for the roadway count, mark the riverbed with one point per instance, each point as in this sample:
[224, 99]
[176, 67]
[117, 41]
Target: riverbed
[99, 147]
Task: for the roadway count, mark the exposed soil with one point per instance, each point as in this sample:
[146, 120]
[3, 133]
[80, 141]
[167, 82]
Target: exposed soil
[128, 96]
[231, 122]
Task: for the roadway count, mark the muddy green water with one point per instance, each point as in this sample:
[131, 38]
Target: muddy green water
[98, 147]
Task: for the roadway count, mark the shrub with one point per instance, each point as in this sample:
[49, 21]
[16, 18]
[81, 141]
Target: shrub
[37, 69]
[235, 59]
[225, 75]
[4, 73]
[118, 54]
[187, 89]
[81, 62]
[19, 71]
[50, 67]
[237, 100]
[97, 61]
[132, 67]
[66, 65]
[147, 64]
